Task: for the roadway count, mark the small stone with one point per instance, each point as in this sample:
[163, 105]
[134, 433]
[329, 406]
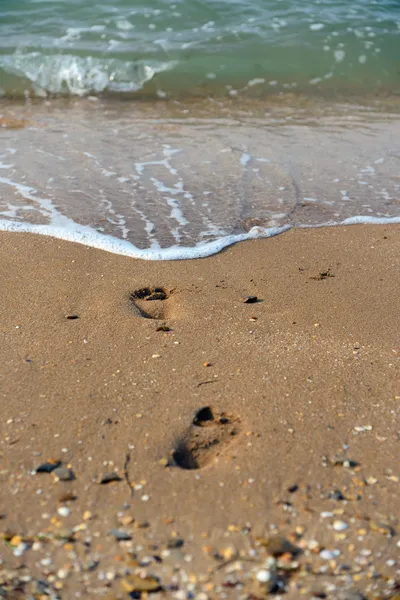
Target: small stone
[156, 356]
[63, 474]
[336, 495]
[67, 535]
[135, 584]
[268, 584]
[62, 573]
[63, 511]
[20, 549]
[340, 526]
[329, 554]
[72, 317]
[277, 545]
[87, 515]
[109, 478]
[49, 466]
[120, 536]
[16, 540]
[250, 299]
[175, 543]
[313, 545]
[342, 461]
[163, 328]
[263, 576]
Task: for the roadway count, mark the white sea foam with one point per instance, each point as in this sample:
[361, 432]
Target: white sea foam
[89, 237]
[82, 234]
[65, 73]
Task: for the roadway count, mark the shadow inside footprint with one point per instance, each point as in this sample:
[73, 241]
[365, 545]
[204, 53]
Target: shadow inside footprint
[209, 434]
[150, 302]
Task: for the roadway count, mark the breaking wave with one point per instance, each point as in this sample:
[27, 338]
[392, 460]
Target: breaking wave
[80, 76]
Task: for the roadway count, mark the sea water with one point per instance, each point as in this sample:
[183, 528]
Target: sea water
[186, 46]
[171, 129]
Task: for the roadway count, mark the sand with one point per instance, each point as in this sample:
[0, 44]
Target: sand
[106, 363]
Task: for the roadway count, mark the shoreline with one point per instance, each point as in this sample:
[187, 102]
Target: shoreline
[87, 237]
[301, 442]
[289, 102]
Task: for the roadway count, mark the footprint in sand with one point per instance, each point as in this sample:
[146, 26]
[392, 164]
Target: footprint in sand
[207, 437]
[151, 303]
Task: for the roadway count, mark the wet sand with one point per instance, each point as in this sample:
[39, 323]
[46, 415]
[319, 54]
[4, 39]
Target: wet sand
[106, 363]
[189, 173]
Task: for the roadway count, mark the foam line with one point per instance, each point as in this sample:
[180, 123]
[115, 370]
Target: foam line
[82, 234]
[87, 236]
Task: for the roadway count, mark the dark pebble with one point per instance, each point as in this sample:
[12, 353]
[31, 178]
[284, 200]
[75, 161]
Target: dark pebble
[163, 328]
[336, 495]
[48, 467]
[250, 299]
[175, 543]
[109, 478]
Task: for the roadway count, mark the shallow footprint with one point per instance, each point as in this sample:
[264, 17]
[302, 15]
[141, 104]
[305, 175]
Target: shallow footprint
[207, 437]
[150, 302]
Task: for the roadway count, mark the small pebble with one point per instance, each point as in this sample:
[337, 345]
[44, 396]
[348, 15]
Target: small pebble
[63, 511]
[63, 474]
[263, 575]
[20, 549]
[120, 536]
[62, 573]
[163, 328]
[48, 466]
[340, 526]
[329, 554]
[250, 299]
[109, 478]
[175, 543]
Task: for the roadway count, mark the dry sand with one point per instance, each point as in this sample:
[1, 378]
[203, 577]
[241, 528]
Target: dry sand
[299, 436]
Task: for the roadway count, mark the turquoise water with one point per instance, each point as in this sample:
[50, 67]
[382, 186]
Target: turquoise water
[199, 47]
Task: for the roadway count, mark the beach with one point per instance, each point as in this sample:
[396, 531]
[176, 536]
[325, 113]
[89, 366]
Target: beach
[224, 427]
[199, 267]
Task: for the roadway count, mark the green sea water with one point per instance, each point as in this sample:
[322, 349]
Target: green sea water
[199, 47]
